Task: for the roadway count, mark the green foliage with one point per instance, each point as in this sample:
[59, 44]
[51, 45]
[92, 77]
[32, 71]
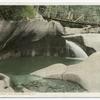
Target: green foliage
[79, 13]
[16, 12]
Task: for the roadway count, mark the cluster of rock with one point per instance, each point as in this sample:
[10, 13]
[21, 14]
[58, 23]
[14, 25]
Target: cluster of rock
[88, 29]
[5, 84]
[86, 73]
[30, 37]
[36, 35]
[88, 42]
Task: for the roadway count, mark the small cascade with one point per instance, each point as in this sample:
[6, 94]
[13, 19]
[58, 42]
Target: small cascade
[77, 50]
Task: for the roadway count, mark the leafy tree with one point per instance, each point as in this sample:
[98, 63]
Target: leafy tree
[82, 13]
[16, 12]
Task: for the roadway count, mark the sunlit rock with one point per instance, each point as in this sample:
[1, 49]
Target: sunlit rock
[88, 42]
[86, 73]
[5, 84]
[53, 71]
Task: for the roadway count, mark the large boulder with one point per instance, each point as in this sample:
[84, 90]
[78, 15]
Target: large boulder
[92, 40]
[52, 71]
[86, 73]
[31, 31]
[47, 46]
[6, 29]
[5, 84]
[89, 42]
[30, 35]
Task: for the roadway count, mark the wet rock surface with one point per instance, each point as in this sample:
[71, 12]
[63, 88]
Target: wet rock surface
[39, 84]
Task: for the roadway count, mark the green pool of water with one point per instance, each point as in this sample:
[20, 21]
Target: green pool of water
[26, 65]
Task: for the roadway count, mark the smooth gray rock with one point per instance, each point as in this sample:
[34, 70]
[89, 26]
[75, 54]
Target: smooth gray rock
[53, 71]
[5, 84]
[86, 73]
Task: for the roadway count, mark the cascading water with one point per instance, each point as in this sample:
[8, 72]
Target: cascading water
[78, 51]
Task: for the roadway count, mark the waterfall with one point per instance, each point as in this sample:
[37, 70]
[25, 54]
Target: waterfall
[77, 50]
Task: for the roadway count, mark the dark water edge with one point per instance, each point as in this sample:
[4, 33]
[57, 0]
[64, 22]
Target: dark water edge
[26, 65]
[18, 69]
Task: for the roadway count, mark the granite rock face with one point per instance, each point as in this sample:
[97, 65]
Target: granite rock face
[53, 71]
[88, 42]
[29, 38]
[86, 73]
[5, 84]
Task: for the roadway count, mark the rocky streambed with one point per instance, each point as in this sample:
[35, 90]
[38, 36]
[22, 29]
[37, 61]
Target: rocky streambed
[19, 70]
